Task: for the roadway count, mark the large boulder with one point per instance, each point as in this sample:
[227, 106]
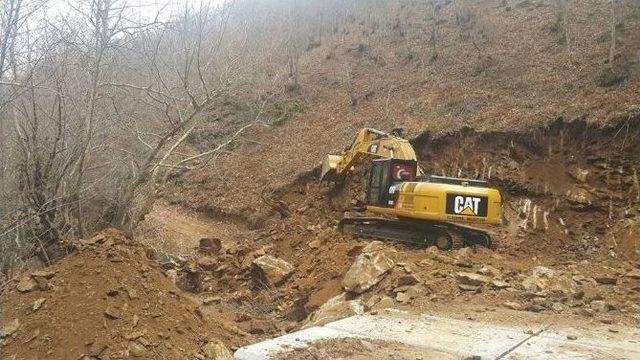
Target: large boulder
[271, 270]
[336, 308]
[369, 268]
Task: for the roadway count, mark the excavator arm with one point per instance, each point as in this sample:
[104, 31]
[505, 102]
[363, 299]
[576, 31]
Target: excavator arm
[368, 142]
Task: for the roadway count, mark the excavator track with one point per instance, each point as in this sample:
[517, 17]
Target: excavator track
[444, 235]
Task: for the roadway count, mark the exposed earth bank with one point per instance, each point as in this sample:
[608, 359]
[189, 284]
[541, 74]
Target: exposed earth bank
[204, 282]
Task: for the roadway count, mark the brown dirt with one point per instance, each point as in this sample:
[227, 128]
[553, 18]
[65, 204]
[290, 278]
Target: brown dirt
[538, 166]
[177, 231]
[92, 301]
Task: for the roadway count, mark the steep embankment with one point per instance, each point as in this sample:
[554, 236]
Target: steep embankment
[493, 66]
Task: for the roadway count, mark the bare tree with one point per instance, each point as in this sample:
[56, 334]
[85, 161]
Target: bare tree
[563, 16]
[181, 98]
[613, 22]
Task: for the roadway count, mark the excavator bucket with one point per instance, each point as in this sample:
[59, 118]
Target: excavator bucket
[329, 165]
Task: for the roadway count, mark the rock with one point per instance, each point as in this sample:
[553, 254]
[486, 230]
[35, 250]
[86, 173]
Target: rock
[43, 283]
[368, 268]
[634, 274]
[111, 313]
[600, 306]
[579, 198]
[471, 279]
[607, 321]
[541, 271]
[135, 320]
[416, 291]
[534, 284]
[463, 263]
[216, 350]
[10, 328]
[578, 174]
[136, 350]
[489, 270]
[270, 269]
[337, 307]
[38, 304]
[260, 327]
[465, 287]
[94, 240]
[535, 308]
[384, 303]
[406, 280]
[586, 312]
[402, 298]
[190, 281]
[26, 284]
[512, 305]
[210, 246]
[47, 274]
[572, 337]
[211, 300]
[465, 252]
[315, 244]
[207, 263]
[432, 252]
[499, 284]
[558, 307]
[132, 294]
[606, 280]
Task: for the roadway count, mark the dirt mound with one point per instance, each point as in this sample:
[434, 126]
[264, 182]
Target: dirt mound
[107, 300]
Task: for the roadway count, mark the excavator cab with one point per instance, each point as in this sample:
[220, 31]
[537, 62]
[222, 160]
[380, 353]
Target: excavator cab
[384, 177]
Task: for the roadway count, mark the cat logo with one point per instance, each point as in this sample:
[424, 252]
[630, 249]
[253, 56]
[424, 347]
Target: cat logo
[466, 205]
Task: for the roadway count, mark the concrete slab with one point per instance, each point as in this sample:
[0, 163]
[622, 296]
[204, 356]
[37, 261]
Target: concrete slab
[450, 338]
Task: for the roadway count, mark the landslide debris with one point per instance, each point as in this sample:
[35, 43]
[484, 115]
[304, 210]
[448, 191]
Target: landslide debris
[567, 246]
[570, 216]
[107, 300]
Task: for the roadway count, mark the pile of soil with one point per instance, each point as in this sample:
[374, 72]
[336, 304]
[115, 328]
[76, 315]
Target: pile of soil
[107, 300]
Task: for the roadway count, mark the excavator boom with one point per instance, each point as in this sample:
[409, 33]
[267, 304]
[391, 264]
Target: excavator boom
[368, 142]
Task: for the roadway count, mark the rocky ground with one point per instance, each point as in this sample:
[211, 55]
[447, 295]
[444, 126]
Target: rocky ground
[202, 284]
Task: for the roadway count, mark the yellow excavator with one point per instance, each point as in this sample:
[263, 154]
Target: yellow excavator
[411, 206]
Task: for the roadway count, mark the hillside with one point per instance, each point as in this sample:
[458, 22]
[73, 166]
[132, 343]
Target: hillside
[523, 78]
